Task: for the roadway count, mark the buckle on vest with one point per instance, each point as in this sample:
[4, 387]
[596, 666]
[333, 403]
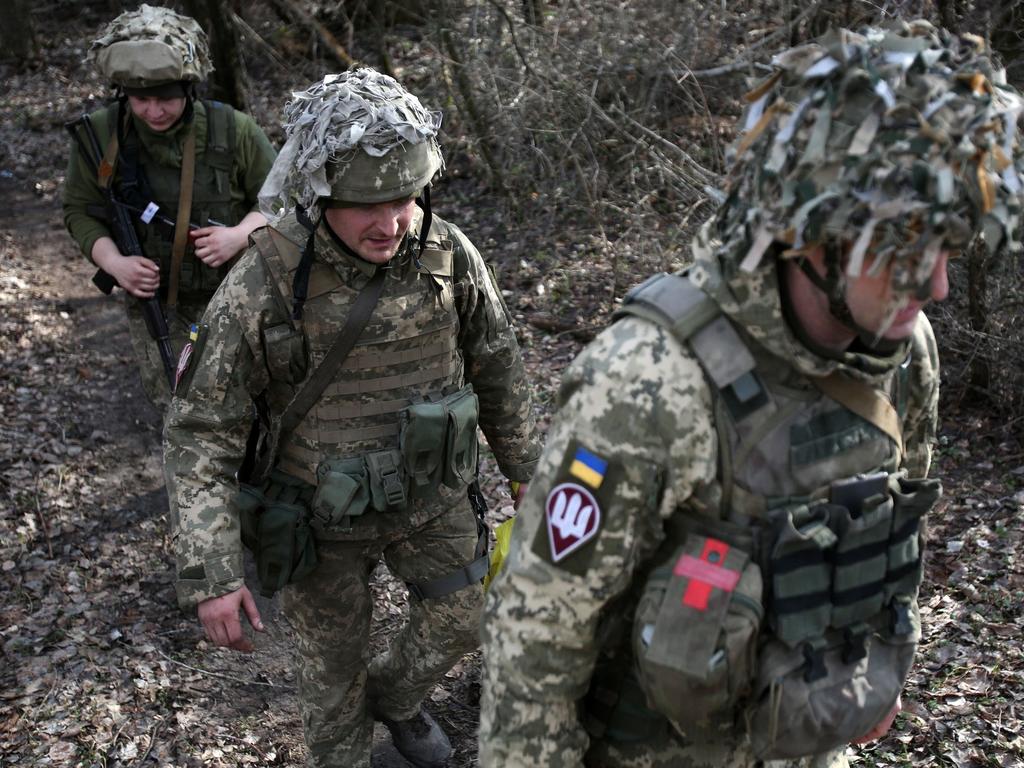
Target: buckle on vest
[814, 655]
[855, 645]
[901, 622]
[384, 465]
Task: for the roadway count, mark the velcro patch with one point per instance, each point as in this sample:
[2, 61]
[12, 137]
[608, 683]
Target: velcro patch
[573, 518]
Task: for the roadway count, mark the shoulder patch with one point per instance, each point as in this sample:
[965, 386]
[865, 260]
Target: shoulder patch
[573, 515]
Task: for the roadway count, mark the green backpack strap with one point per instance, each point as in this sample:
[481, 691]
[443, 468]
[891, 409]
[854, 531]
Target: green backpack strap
[220, 142]
[673, 302]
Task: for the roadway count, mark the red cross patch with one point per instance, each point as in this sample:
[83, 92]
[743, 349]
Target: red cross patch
[706, 573]
[573, 519]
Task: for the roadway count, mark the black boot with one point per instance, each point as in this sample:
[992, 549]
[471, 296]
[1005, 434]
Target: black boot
[420, 740]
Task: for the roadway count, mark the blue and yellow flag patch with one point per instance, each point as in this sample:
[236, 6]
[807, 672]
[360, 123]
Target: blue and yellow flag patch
[588, 467]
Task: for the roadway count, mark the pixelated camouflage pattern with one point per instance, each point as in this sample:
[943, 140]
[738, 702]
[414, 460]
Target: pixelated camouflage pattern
[151, 46]
[358, 137]
[146, 352]
[340, 691]
[638, 398]
[207, 425]
[896, 141]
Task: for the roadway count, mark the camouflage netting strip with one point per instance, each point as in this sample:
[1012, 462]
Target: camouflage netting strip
[361, 109]
[182, 33]
[898, 142]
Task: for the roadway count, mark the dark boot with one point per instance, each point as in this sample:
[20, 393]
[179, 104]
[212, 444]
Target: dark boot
[420, 740]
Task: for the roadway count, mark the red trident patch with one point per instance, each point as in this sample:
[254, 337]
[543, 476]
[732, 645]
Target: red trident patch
[573, 518]
[706, 573]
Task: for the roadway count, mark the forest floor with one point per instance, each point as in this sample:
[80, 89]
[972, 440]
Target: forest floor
[99, 668]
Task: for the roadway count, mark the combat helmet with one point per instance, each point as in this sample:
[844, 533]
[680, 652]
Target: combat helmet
[151, 47]
[353, 138]
[883, 147]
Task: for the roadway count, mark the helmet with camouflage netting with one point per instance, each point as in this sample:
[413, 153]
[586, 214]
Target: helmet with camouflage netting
[354, 138]
[151, 47]
[885, 148]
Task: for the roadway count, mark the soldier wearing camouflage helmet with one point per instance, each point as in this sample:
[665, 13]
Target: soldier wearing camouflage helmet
[718, 560]
[156, 137]
[376, 461]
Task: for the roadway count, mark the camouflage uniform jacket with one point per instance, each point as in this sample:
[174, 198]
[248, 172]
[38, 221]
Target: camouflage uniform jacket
[208, 423]
[253, 156]
[638, 399]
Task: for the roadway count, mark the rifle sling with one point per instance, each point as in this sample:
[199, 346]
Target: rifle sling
[188, 174]
[304, 399]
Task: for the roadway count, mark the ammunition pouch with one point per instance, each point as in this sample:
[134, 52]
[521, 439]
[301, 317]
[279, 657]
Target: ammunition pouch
[438, 442]
[342, 492]
[275, 529]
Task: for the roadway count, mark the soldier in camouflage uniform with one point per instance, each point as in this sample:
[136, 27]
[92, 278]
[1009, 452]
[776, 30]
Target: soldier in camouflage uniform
[718, 560]
[155, 57]
[378, 467]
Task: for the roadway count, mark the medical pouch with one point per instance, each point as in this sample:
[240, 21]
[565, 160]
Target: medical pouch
[801, 575]
[818, 697]
[911, 501]
[342, 492]
[423, 429]
[695, 634]
[461, 442]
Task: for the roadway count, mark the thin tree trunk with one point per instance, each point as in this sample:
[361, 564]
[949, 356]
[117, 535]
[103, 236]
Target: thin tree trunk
[228, 82]
[17, 37]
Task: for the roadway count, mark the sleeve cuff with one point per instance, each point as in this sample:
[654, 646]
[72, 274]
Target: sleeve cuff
[519, 473]
[215, 577]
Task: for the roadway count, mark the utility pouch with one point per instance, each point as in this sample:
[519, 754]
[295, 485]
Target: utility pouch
[911, 501]
[801, 575]
[387, 481]
[859, 560]
[284, 350]
[816, 698]
[695, 634]
[423, 427]
[342, 492]
[275, 529]
[461, 446]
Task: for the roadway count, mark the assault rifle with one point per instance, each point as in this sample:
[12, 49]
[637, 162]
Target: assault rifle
[127, 240]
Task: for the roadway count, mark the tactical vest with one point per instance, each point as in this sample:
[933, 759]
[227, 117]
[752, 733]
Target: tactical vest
[783, 599]
[211, 198]
[407, 354]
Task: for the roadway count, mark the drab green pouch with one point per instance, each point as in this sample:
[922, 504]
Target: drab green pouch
[422, 445]
[342, 492]
[278, 535]
[461, 445]
[913, 499]
[695, 634]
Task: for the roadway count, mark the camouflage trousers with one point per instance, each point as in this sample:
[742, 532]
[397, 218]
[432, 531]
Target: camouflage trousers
[671, 751]
[341, 691]
[147, 355]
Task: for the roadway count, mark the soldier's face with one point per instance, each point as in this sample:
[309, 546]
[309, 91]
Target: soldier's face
[870, 300]
[373, 231]
[159, 114]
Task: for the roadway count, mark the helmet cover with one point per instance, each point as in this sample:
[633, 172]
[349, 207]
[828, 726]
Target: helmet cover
[358, 137]
[151, 46]
[894, 143]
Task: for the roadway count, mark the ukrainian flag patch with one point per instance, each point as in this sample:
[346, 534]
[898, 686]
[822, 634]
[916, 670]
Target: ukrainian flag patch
[588, 467]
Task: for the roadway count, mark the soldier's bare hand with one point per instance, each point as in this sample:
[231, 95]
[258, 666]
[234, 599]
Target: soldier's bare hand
[137, 275]
[883, 727]
[216, 245]
[219, 616]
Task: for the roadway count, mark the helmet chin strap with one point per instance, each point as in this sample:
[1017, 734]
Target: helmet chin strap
[423, 201]
[300, 283]
[833, 285]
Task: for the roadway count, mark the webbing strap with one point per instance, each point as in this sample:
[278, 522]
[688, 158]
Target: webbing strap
[188, 175]
[105, 172]
[456, 580]
[866, 402]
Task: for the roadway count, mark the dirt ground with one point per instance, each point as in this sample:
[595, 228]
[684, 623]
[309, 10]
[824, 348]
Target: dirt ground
[98, 666]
